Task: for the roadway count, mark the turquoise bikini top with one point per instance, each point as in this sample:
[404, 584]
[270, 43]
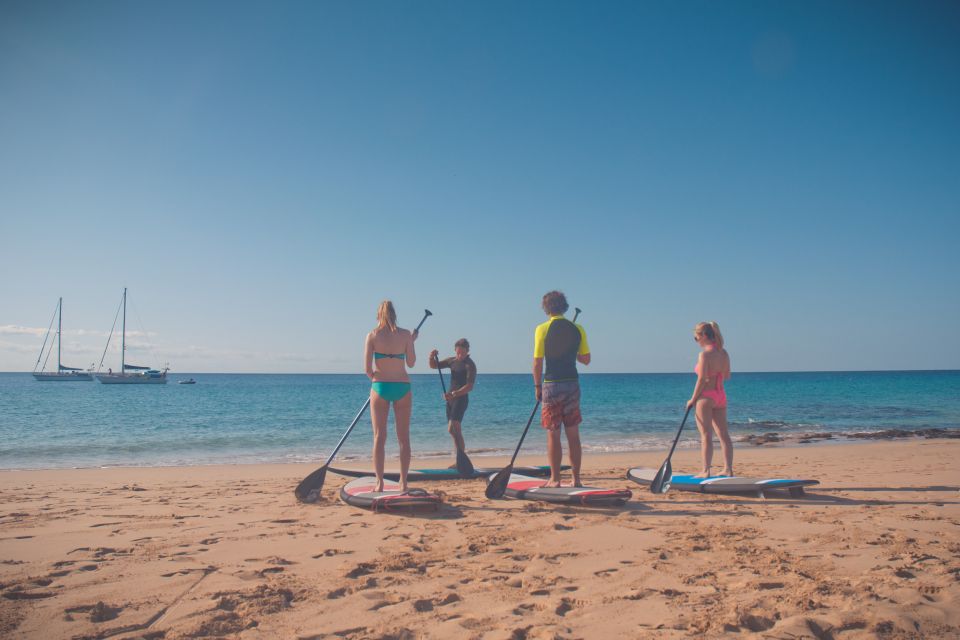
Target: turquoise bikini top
[399, 356]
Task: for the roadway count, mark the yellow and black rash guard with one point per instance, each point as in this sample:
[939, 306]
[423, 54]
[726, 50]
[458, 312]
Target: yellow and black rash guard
[559, 341]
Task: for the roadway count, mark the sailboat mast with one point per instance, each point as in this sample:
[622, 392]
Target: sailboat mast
[123, 347]
[59, 332]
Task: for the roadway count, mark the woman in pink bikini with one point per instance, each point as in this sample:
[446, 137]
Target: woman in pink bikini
[713, 367]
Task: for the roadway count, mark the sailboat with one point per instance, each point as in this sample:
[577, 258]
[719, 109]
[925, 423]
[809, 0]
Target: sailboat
[130, 373]
[63, 373]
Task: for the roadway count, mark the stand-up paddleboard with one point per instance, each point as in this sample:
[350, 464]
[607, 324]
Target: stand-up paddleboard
[447, 474]
[360, 493]
[524, 487]
[723, 484]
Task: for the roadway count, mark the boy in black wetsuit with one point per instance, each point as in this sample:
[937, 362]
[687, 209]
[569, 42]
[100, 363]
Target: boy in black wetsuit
[463, 374]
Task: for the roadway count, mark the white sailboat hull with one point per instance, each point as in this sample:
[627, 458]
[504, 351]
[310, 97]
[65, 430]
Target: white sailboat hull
[64, 377]
[130, 378]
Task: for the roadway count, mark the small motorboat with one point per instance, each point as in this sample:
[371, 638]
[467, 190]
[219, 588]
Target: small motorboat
[188, 381]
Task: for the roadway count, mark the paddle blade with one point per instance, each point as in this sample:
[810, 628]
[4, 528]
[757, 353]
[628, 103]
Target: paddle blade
[661, 481]
[498, 485]
[309, 488]
[464, 466]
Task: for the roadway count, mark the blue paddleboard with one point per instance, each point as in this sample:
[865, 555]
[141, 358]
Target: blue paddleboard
[722, 484]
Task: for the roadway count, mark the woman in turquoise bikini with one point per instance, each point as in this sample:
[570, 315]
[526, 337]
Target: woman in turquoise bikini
[387, 354]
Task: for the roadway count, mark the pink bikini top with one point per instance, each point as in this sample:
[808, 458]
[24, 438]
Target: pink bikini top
[718, 376]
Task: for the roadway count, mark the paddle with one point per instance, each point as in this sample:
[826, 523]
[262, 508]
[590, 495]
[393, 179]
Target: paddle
[498, 485]
[661, 481]
[464, 466]
[309, 488]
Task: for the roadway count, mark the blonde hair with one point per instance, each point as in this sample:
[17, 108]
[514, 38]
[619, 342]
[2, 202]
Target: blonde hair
[386, 316]
[712, 331]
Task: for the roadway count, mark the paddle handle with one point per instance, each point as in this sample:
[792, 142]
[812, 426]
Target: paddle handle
[426, 314]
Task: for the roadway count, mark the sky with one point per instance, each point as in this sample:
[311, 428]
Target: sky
[261, 175]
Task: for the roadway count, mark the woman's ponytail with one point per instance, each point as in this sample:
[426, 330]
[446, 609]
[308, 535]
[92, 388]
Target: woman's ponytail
[717, 336]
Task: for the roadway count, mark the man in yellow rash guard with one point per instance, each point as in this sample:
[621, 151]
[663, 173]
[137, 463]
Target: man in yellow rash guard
[558, 345]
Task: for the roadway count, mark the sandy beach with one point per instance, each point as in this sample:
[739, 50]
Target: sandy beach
[226, 551]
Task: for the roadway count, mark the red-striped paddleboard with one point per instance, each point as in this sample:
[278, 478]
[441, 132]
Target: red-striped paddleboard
[360, 493]
[526, 488]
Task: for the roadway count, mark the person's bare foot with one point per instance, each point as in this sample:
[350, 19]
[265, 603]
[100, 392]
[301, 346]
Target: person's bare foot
[703, 474]
[727, 472]
[404, 488]
[552, 484]
[378, 488]
[577, 482]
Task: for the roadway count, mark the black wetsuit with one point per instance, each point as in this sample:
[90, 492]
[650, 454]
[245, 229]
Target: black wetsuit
[462, 373]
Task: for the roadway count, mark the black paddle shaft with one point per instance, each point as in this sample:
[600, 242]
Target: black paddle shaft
[661, 481]
[524, 435]
[498, 484]
[679, 431]
[443, 385]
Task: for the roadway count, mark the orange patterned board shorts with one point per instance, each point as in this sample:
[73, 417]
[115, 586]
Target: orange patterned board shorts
[561, 405]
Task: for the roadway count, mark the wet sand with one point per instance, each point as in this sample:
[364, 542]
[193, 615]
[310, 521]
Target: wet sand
[226, 551]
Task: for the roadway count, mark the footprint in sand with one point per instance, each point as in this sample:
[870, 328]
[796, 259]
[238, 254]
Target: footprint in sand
[565, 606]
[361, 569]
[423, 606]
[331, 552]
[27, 595]
[99, 612]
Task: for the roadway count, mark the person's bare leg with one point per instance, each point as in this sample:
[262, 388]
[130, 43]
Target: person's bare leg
[453, 428]
[726, 444]
[576, 452]
[402, 409]
[379, 410]
[555, 456]
[704, 419]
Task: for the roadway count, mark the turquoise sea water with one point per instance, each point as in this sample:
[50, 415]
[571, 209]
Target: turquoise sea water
[228, 418]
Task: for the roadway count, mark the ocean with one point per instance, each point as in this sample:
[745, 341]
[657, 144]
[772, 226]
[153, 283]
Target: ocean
[260, 418]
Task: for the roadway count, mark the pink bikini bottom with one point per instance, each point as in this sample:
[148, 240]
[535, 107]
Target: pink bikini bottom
[718, 396]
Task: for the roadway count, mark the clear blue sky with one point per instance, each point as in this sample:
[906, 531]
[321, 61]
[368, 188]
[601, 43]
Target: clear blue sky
[261, 175]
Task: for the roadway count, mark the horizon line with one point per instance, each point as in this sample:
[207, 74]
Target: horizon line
[501, 373]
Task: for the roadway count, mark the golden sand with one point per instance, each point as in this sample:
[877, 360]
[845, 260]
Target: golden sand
[874, 551]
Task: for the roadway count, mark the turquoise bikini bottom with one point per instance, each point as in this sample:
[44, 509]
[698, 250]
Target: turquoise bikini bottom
[391, 391]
